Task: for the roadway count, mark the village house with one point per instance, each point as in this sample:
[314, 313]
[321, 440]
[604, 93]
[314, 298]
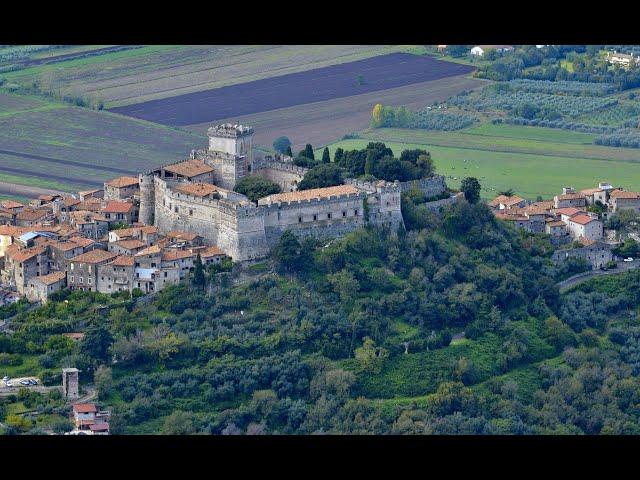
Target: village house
[63, 251]
[29, 217]
[187, 239]
[83, 269]
[569, 199]
[585, 226]
[116, 211]
[211, 255]
[42, 287]
[622, 59]
[556, 228]
[596, 252]
[127, 247]
[621, 200]
[116, 275]
[95, 193]
[121, 188]
[88, 419]
[12, 206]
[23, 265]
[503, 202]
[147, 234]
[89, 224]
[180, 259]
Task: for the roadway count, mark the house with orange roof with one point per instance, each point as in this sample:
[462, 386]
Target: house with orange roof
[83, 270]
[570, 199]
[117, 211]
[127, 247]
[585, 226]
[504, 202]
[116, 275]
[28, 217]
[43, 286]
[23, 265]
[623, 200]
[596, 252]
[94, 193]
[121, 188]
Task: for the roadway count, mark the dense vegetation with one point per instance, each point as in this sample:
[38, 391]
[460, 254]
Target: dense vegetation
[356, 337]
[256, 187]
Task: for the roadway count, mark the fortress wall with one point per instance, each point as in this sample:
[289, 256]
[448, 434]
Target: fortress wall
[237, 230]
[431, 187]
[334, 216]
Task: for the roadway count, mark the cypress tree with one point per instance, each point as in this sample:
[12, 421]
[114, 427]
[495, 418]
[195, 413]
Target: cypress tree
[288, 152]
[308, 152]
[325, 155]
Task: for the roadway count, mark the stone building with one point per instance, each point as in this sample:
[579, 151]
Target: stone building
[83, 269]
[115, 275]
[43, 286]
[597, 253]
[622, 200]
[121, 188]
[70, 383]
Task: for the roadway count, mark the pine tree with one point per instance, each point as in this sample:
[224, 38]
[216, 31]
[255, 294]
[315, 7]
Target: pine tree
[326, 158]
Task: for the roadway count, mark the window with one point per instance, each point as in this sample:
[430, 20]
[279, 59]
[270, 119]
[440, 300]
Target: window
[89, 281]
[355, 213]
[315, 217]
[328, 215]
[71, 278]
[191, 211]
[176, 209]
[80, 280]
[299, 219]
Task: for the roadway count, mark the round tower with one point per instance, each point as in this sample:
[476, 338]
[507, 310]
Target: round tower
[147, 198]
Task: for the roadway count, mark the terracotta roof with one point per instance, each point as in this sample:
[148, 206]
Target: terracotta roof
[177, 234]
[590, 191]
[314, 193]
[71, 202]
[84, 242]
[570, 196]
[148, 229]
[152, 250]
[625, 195]
[505, 200]
[512, 218]
[546, 204]
[14, 231]
[122, 182]
[89, 192]
[10, 204]
[557, 224]
[23, 254]
[65, 246]
[189, 168]
[84, 408]
[570, 211]
[130, 244]
[197, 189]
[31, 215]
[115, 206]
[212, 251]
[52, 278]
[535, 210]
[174, 254]
[582, 219]
[94, 256]
[99, 427]
[47, 198]
[123, 261]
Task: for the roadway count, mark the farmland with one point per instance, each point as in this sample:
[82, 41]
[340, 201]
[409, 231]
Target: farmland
[319, 123]
[161, 71]
[336, 81]
[55, 146]
[531, 160]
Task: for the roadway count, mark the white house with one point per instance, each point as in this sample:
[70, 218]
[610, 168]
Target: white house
[584, 226]
[480, 50]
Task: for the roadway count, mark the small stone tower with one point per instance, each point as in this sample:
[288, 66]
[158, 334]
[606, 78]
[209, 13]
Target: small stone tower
[147, 198]
[233, 140]
[70, 383]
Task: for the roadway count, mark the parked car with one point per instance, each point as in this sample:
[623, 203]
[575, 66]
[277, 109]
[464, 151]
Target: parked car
[5, 379]
[9, 384]
[25, 382]
[33, 382]
[628, 259]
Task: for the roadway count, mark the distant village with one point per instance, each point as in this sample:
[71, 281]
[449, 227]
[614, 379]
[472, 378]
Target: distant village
[575, 231]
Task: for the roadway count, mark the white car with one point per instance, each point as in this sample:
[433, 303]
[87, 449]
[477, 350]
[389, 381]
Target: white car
[9, 384]
[628, 259]
[24, 382]
[5, 379]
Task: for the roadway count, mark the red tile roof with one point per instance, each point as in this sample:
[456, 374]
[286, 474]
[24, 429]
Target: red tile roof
[173, 254]
[189, 168]
[123, 261]
[212, 251]
[582, 219]
[122, 182]
[84, 408]
[94, 256]
[115, 206]
[625, 195]
[10, 204]
[52, 278]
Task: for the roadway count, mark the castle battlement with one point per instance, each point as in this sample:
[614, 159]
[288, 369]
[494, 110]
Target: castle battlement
[228, 130]
[279, 165]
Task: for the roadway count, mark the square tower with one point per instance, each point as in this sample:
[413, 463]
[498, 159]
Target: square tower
[232, 140]
[70, 383]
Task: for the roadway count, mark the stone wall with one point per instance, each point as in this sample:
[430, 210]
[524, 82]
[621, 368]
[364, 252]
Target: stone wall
[431, 187]
[286, 175]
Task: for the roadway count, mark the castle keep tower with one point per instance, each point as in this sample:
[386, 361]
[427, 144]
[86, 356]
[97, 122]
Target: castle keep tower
[233, 140]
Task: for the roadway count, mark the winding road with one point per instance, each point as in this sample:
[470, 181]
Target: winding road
[622, 267]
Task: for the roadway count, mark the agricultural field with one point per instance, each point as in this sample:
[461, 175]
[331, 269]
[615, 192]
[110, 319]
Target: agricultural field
[317, 85]
[531, 160]
[53, 146]
[160, 71]
[320, 123]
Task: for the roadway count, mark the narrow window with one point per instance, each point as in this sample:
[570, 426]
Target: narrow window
[328, 215]
[299, 219]
[315, 217]
[355, 213]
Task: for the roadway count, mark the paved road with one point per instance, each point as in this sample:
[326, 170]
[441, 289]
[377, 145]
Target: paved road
[583, 277]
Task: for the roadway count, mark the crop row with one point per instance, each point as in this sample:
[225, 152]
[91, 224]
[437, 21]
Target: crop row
[562, 86]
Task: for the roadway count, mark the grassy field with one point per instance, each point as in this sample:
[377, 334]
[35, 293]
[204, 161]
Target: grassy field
[57, 146]
[531, 160]
[160, 71]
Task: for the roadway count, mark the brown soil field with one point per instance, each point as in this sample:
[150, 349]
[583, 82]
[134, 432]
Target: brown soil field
[321, 123]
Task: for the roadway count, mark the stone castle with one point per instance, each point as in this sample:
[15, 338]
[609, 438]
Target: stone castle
[196, 195]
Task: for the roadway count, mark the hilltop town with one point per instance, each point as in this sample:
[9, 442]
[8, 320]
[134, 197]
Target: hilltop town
[146, 232]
